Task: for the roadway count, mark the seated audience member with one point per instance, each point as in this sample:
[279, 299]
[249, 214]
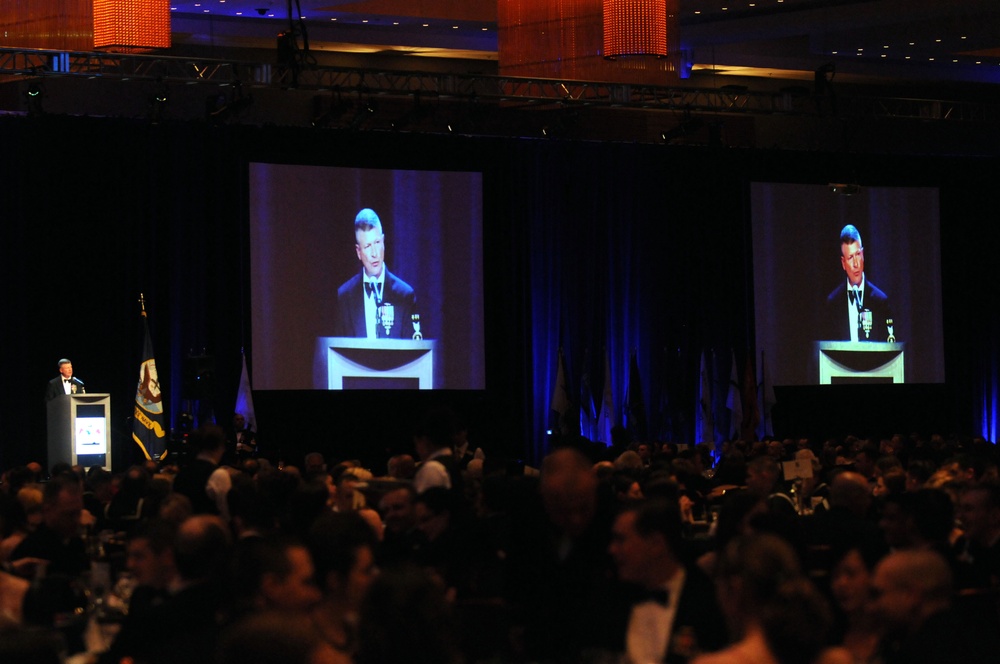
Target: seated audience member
[735, 515]
[314, 463]
[184, 628]
[149, 557]
[22, 518]
[764, 479]
[913, 601]
[890, 482]
[129, 504]
[559, 572]
[918, 472]
[446, 546]
[343, 549]
[851, 587]
[273, 637]
[56, 540]
[13, 590]
[406, 618]
[773, 611]
[273, 572]
[918, 520]
[978, 549]
[401, 467]
[675, 616]
[401, 537]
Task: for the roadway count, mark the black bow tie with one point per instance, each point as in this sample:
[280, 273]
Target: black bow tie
[66, 380]
[371, 287]
[660, 596]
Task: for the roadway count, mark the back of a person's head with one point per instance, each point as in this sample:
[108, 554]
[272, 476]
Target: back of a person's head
[406, 618]
[333, 541]
[207, 438]
[201, 549]
[270, 637]
[761, 562]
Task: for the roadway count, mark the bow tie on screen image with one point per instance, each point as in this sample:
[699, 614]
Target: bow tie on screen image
[370, 288]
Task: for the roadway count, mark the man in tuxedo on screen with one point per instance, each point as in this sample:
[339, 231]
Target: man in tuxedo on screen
[374, 303]
[64, 383]
[857, 310]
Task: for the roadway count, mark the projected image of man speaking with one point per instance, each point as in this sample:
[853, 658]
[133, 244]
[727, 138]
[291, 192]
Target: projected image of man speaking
[375, 303]
[857, 310]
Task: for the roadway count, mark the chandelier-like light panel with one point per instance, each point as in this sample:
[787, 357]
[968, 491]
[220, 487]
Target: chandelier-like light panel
[131, 25]
[635, 27]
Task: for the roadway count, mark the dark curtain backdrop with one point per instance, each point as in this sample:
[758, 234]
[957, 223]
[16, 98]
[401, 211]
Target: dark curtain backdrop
[589, 247]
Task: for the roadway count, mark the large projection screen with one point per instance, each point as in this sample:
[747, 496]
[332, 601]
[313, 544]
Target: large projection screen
[303, 249]
[801, 300]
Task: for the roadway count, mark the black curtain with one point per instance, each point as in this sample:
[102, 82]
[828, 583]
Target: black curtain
[594, 248]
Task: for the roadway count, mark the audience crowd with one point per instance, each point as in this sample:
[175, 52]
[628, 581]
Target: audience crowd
[774, 551]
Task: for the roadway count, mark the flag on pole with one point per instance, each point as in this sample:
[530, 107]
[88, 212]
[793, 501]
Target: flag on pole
[588, 417]
[705, 426]
[733, 401]
[606, 418]
[767, 400]
[751, 411]
[635, 405]
[147, 421]
[560, 394]
[244, 399]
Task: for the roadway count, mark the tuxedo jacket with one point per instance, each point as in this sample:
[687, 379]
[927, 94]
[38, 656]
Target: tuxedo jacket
[837, 324]
[55, 387]
[699, 625]
[351, 307]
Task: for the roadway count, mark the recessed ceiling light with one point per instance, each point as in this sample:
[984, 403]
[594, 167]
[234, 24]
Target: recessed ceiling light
[930, 59]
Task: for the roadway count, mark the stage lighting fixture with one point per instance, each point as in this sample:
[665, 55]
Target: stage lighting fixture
[35, 95]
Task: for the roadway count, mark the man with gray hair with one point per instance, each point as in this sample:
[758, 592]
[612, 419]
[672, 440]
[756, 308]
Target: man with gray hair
[857, 310]
[375, 303]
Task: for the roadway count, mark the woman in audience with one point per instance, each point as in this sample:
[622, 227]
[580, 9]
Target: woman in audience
[851, 584]
[773, 610]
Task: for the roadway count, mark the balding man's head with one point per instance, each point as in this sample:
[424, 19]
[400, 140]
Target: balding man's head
[569, 490]
[851, 491]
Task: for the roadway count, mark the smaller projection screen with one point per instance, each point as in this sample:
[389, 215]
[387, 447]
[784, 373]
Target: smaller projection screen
[830, 311]
[396, 305]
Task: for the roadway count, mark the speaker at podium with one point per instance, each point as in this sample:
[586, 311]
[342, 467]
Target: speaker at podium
[79, 431]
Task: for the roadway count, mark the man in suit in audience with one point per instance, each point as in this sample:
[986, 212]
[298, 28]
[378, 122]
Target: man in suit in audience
[913, 595]
[374, 299]
[64, 383]
[675, 616]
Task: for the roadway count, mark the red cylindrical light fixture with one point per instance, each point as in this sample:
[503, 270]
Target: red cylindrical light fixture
[131, 25]
[635, 27]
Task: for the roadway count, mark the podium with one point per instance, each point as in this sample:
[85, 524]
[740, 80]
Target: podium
[860, 362]
[350, 363]
[78, 430]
